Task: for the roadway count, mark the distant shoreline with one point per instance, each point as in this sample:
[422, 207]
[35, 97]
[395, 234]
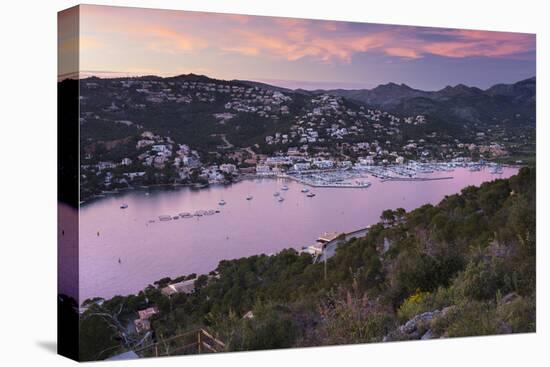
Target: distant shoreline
[248, 176]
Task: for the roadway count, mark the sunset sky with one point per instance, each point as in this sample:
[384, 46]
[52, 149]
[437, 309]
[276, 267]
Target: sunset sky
[292, 52]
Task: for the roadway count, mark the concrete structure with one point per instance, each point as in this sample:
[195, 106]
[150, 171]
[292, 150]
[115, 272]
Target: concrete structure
[186, 286]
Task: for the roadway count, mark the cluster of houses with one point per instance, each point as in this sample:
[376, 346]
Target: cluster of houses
[278, 164]
[328, 132]
[263, 102]
[330, 119]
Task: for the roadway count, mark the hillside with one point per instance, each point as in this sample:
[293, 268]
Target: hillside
[463, 267]
[153, 130]
[510, 103]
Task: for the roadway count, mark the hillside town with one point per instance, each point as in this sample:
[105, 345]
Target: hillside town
[295, 133]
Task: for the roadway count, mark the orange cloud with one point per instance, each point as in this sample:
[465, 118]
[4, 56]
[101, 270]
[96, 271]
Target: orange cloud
[164, 39]
[180, 40]
[89, 42]
[244, 50]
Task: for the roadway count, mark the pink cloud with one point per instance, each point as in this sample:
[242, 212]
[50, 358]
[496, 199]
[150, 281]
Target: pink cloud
[329, 41]
[286, 38]
[480, 43]
[297, 43]
[167, 39]
[244, 50]
[403, 52]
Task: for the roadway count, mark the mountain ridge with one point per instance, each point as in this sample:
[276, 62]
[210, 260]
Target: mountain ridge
[459, 104]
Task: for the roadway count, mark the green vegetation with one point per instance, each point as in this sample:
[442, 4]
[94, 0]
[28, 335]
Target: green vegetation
[469, 262]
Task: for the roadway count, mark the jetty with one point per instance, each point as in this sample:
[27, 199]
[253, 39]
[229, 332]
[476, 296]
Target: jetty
[332, 181]
[416, 178]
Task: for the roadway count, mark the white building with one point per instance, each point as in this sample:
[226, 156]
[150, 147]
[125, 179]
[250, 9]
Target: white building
[126, 162]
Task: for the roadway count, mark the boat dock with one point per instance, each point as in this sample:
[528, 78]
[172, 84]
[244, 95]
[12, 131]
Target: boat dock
[320, 182]
[416, 179]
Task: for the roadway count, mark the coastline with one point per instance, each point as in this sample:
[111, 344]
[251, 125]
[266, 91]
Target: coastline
[372, 217]
[249, 176]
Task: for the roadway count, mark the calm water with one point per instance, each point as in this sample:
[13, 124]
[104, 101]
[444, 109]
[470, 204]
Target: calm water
[151, 251]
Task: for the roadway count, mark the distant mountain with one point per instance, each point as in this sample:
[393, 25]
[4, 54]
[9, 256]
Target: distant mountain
[460, 103]
[263, 85]
[389, 94]
[523, 91]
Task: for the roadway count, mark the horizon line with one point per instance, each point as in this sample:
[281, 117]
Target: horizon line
[271, 82]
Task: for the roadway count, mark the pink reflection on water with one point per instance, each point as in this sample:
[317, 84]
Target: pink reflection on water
[150, 251]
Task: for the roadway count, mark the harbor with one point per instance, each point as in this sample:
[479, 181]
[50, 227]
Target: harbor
[251, 221]
[358, 175]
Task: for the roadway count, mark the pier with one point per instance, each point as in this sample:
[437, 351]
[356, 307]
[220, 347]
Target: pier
[416, 178]
[328, 182]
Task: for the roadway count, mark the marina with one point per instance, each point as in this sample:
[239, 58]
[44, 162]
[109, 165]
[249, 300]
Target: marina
[154, 245]
[356, 177]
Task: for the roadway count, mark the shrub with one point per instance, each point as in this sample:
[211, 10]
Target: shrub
[352, 318]
[468, 319]
[519, 314]
[481, 281]
[413, 305]
[420, 302]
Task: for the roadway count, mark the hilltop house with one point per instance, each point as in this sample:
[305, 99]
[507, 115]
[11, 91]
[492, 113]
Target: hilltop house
[142, 323]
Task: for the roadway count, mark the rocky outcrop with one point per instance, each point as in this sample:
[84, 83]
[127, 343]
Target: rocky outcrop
[420, 327]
